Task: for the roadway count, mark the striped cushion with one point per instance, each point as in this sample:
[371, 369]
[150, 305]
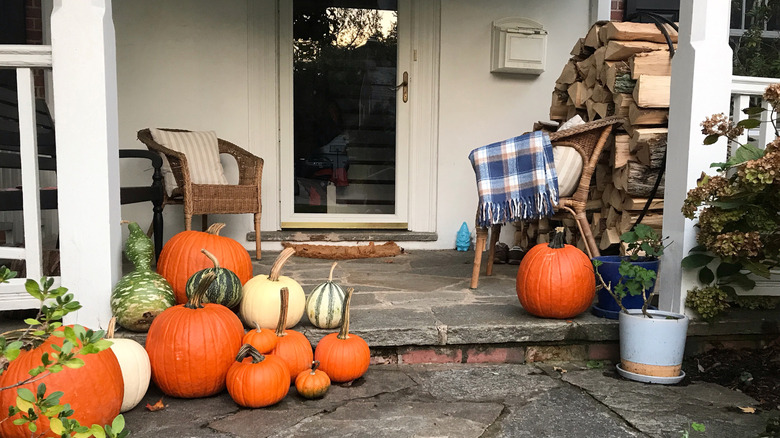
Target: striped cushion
[202, 153]
[568, 165]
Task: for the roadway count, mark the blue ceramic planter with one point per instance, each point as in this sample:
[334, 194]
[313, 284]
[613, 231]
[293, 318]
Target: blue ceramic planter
[606, 307]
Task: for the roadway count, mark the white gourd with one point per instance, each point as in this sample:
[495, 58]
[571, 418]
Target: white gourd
[325, 304]
[260, 306]
[136, 368]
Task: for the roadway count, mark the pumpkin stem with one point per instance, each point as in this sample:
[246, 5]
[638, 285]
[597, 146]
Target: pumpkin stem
[196, 299]
[559, 240]
[344, 331]
[211, 257]
[247, 350]
[284, 294]
[215, 228]
[314, 365]
[111, 328]
[276, 269]
[332, 267]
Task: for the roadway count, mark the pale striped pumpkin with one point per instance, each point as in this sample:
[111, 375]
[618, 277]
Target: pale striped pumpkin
[325, 304]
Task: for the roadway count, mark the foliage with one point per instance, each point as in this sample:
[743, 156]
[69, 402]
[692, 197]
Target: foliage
[698, 427]
[753, 54]
[739, 228]
[635, 279]
[55, 303]
[711, 301]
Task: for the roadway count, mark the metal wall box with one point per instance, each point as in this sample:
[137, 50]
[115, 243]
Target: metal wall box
[519, 45]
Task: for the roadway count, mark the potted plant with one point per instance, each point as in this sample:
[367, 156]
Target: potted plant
[652, 342]
[738, 228]
[644, 247]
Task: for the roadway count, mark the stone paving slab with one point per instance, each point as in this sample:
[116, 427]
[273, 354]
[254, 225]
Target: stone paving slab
[459, 400]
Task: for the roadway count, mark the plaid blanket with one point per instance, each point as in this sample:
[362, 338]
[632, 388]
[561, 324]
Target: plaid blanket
[516, 179]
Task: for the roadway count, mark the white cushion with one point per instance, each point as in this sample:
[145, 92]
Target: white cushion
[202, 152]
[576, 120]
[568, 166]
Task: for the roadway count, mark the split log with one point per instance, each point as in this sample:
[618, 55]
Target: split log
[627, 31]
[579, 94]
[579, 49]
[617, 70]
[613, 217]
[648, 136]
[610, 236]
[603, 177]
[598, 57]
[647, 116]
[655, 63]
[652, 91]
[568, 74]
[601, 94]
[623, 103]
[637, 180]
[558, 108]
[620, 155]
[594, 223]
[639, 203]
[654, 220]
[652, 156]
[593, 204]
[592, 38]
[622, 50]
[606, 195]
[617, 198]
[333, 252]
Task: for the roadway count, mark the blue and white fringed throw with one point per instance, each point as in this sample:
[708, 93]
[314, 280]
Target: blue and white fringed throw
[516, 179]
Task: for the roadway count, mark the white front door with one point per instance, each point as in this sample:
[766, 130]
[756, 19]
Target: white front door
[344, 113]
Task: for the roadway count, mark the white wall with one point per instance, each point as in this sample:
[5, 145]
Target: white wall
[181, 65]
[477, 107]
[186, 67]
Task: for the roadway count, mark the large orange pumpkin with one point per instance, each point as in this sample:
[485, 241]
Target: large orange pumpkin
[93, 391]
[191, 346]
[181, 257]
[342, 356]
[292, 346]
[556, 280]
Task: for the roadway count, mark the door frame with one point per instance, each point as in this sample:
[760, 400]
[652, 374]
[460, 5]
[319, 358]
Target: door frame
[270, 115]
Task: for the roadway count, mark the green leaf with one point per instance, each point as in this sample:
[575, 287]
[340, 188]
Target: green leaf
[757, 268]
[719, 165]
[74, 363]
[711, 139]
[706, 276]
[752, 111]
[594, 364]
[698, 248]
[749, 123]
[20, 421]
[56, 426]
[98, 431]
[694, 261]
[748, 152]
[32, 321]
[118, 424]
[698, 427]
[26, 395]
[727, 269]
[742, 281]
[730, 291]
[33, 289]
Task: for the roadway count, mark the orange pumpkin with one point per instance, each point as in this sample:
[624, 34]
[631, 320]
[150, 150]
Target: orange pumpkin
[291, 346]
[94, 391]
[191, 346]
[255, 381]
[312, 383]
[556, 280]
[181, 257]
[264, 340]
[342, 356]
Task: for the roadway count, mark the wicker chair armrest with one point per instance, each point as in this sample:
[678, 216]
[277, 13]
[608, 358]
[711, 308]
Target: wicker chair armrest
[250, 166]
[589, 126]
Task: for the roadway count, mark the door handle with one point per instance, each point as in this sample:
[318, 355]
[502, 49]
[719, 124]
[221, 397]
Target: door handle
[404, 85]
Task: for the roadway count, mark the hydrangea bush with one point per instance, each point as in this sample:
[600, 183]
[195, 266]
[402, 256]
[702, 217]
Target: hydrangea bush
[739, 225]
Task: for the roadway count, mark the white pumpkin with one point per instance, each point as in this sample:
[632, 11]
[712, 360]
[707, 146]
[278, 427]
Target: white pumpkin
[260, 306]
[325, 305]
[136, 368]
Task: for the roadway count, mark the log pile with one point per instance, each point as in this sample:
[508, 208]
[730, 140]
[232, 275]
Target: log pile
[620, 69]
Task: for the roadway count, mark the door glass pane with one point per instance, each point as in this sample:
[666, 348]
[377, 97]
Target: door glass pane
[344, 72]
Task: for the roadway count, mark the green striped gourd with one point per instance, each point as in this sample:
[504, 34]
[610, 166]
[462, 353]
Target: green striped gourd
[143, 294]
[325, 304]
[226, 288]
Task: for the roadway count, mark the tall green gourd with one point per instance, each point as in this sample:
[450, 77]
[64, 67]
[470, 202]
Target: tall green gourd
[142, 294]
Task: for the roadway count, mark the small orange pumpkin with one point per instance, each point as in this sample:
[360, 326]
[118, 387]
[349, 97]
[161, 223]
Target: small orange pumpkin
[181, 257]
[255, 381]
[342, 356]
[264, 340]
[556, 280]
[191, 346]
[291, 346]
[312, 383]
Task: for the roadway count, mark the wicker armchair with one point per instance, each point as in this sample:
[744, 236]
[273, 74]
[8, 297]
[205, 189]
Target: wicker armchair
[205, 199]
[589, 140]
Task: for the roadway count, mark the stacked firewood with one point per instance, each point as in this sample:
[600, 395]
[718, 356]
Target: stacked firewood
[621, 69]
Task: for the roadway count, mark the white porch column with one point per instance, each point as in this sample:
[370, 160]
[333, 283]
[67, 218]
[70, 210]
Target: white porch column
[600, 10]
[85, 92]
[701, 86]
